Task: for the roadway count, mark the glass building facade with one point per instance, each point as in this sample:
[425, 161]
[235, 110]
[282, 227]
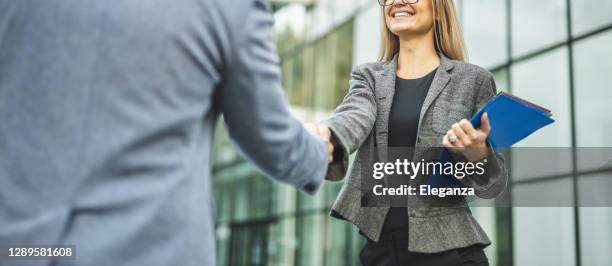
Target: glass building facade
[557, 53]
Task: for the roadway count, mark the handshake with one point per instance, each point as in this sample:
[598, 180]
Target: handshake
[324, 133]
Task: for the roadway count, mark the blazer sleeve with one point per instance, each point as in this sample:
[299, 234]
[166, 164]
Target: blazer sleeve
[495, 178]
[351, 123]
[256, 109]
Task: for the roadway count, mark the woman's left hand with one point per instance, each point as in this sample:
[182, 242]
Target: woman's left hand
[465, 139]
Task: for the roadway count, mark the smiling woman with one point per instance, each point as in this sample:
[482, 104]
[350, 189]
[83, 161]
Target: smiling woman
[417, 95]
[447, 32]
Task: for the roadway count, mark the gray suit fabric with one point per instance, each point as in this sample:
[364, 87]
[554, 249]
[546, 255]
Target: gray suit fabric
[360, 124]
[107, 114]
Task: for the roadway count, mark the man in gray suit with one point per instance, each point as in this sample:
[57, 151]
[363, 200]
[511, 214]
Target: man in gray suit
[107, 113]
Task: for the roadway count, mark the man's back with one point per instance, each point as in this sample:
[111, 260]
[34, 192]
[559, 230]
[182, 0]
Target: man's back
[106, 121]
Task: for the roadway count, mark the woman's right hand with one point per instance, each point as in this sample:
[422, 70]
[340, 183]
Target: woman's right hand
[323, 132]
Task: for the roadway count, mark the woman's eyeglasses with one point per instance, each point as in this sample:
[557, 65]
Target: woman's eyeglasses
[390, 2]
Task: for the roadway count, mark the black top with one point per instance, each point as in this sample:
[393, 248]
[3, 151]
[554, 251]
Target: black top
[403, 124]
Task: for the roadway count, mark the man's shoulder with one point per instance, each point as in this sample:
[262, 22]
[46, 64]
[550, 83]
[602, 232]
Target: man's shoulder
[234, 12]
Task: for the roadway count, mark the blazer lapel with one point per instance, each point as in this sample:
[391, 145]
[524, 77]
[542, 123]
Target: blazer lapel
[438, 84]
[385, 90]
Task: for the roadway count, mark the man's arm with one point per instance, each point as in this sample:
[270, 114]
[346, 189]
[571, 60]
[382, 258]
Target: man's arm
[255, 108]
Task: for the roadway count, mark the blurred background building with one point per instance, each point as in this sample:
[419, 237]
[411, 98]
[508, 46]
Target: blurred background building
[555, 52]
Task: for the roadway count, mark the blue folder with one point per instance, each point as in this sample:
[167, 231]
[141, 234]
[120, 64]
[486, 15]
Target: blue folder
[512, 119]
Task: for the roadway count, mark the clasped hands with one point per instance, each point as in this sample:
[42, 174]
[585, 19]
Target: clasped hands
[324, 133]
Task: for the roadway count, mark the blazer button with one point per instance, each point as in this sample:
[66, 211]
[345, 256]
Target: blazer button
[364, 200]
[310, 187]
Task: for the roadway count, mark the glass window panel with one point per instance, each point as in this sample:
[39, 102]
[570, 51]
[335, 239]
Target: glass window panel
[285, 199]
[543, 236]
[594, 190]
[297, 95]
[544, 80]
[550, 193]
[311, 203]
[222, 190]
[310, 236]
[289, 27]
[503, 237]
[594, 158]
[459, 5]
[588, 15]
[336, 239]
[248, 244]
[343, 10]
[366, 40]
[501, 80]
[241, 200]
[538, 162]
[593, 92]
[354, 246]
[262, 197]
[344, 60]
[596, 236]
[322, 18]
[486, 218]
[332, 189]
[325, 74]
[223, 233]
[281, 242]
[536, 24]
[305, 87]
[287, 67]
[224, 149]
[485, 35]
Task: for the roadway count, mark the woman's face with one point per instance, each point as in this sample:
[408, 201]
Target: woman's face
[409, 19]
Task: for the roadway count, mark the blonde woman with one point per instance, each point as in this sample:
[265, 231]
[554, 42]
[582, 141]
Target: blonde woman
[418, 95]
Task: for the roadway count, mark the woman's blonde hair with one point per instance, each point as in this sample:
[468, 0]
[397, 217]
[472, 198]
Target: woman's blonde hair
[447, 33]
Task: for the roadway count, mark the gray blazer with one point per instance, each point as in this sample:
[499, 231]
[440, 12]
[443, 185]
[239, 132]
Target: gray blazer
[360, 124]
[107, 114]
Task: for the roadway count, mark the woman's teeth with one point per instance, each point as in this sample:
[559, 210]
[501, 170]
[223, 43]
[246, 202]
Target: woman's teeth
[402, 14]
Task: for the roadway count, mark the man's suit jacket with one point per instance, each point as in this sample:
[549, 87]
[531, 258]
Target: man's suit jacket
[107, 114]
[360, 124]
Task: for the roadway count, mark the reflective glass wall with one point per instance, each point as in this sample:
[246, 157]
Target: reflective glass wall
[260, 222]
[557, 53]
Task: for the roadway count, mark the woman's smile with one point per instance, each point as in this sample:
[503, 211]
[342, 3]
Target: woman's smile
[401, 13]
[402, 19]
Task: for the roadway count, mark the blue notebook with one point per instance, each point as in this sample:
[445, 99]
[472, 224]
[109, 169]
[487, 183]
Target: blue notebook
[512, 119]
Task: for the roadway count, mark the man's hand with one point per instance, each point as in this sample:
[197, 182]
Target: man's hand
[471, 142]
[324, 133]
